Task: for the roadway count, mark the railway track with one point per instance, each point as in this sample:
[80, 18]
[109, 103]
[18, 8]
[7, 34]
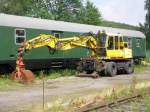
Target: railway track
[103, 106]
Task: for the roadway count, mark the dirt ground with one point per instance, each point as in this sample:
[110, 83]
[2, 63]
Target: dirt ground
[21, 99]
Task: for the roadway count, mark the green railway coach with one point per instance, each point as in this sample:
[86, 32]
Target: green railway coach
[16, 29]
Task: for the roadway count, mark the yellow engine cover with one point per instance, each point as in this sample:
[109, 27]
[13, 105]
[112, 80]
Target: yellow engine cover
[125, 53]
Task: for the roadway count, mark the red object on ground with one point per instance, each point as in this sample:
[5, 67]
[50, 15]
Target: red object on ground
[21, 74]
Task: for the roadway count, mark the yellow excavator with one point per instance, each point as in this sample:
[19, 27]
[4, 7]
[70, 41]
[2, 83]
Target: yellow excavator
[110, 54]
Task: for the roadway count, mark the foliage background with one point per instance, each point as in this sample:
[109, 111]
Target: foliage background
[71, 11]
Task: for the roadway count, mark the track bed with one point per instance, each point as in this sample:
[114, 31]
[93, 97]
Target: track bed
[23, 99]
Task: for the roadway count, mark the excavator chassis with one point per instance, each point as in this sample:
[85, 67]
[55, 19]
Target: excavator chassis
[90, 67]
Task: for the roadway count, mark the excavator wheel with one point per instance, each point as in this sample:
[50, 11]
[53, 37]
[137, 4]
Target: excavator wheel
[26, 76]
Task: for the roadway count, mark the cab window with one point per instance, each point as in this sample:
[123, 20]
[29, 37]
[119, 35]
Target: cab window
[130, 42]
[20, 36]
[111, 43]
[116, 42]
[121, 43]
[101, 40]
[57, 35]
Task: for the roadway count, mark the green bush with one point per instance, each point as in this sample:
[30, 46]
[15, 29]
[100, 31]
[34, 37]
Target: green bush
[7, 84]
[53, 74]
[147, 56]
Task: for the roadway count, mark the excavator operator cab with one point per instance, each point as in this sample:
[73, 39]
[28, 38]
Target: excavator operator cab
[117, 47]
[112, 46]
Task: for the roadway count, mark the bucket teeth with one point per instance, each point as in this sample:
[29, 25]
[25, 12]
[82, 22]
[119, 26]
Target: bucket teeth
[26, 76]
[21, 74]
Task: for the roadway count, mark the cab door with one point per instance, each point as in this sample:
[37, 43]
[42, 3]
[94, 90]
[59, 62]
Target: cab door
[114, 49]
[127, 49]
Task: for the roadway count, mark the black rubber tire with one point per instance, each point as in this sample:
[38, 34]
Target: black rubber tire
[129, 67]
[111, 69]
[80, 67]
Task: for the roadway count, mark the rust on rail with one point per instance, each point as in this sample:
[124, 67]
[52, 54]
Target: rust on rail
[103, 105]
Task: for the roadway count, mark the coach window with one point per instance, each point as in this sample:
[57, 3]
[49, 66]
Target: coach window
[57, 35]
[130, 42]
[20, 36]
[137, 42]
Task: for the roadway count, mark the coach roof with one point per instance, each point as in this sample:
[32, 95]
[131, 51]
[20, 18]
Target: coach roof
[36, 23]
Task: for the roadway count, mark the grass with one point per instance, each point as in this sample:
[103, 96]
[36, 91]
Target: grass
[6, 84]
[140, 68]
[107, 95]
[140, 105]
[53, 74]
[146, 102]
[148, 56]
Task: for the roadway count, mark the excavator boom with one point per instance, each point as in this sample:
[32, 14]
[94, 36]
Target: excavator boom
[60, 44]
[52, 43]
[40, 41]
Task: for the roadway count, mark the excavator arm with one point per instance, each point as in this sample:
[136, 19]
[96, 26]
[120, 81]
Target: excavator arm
[60, 44]
[52, 43]
[40, 41]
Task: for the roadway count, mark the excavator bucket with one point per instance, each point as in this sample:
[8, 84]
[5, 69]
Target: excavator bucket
[21, 74]
[25, 76]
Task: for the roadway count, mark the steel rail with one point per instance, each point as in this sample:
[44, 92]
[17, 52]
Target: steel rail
[103, 105]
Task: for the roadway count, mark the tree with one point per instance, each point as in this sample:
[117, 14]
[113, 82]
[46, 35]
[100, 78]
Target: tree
[39, 9]
[147, 23]
[65, 10]
[16, 7]
[73, 11]
[147, 7]
[90, 14]
[142, 28]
